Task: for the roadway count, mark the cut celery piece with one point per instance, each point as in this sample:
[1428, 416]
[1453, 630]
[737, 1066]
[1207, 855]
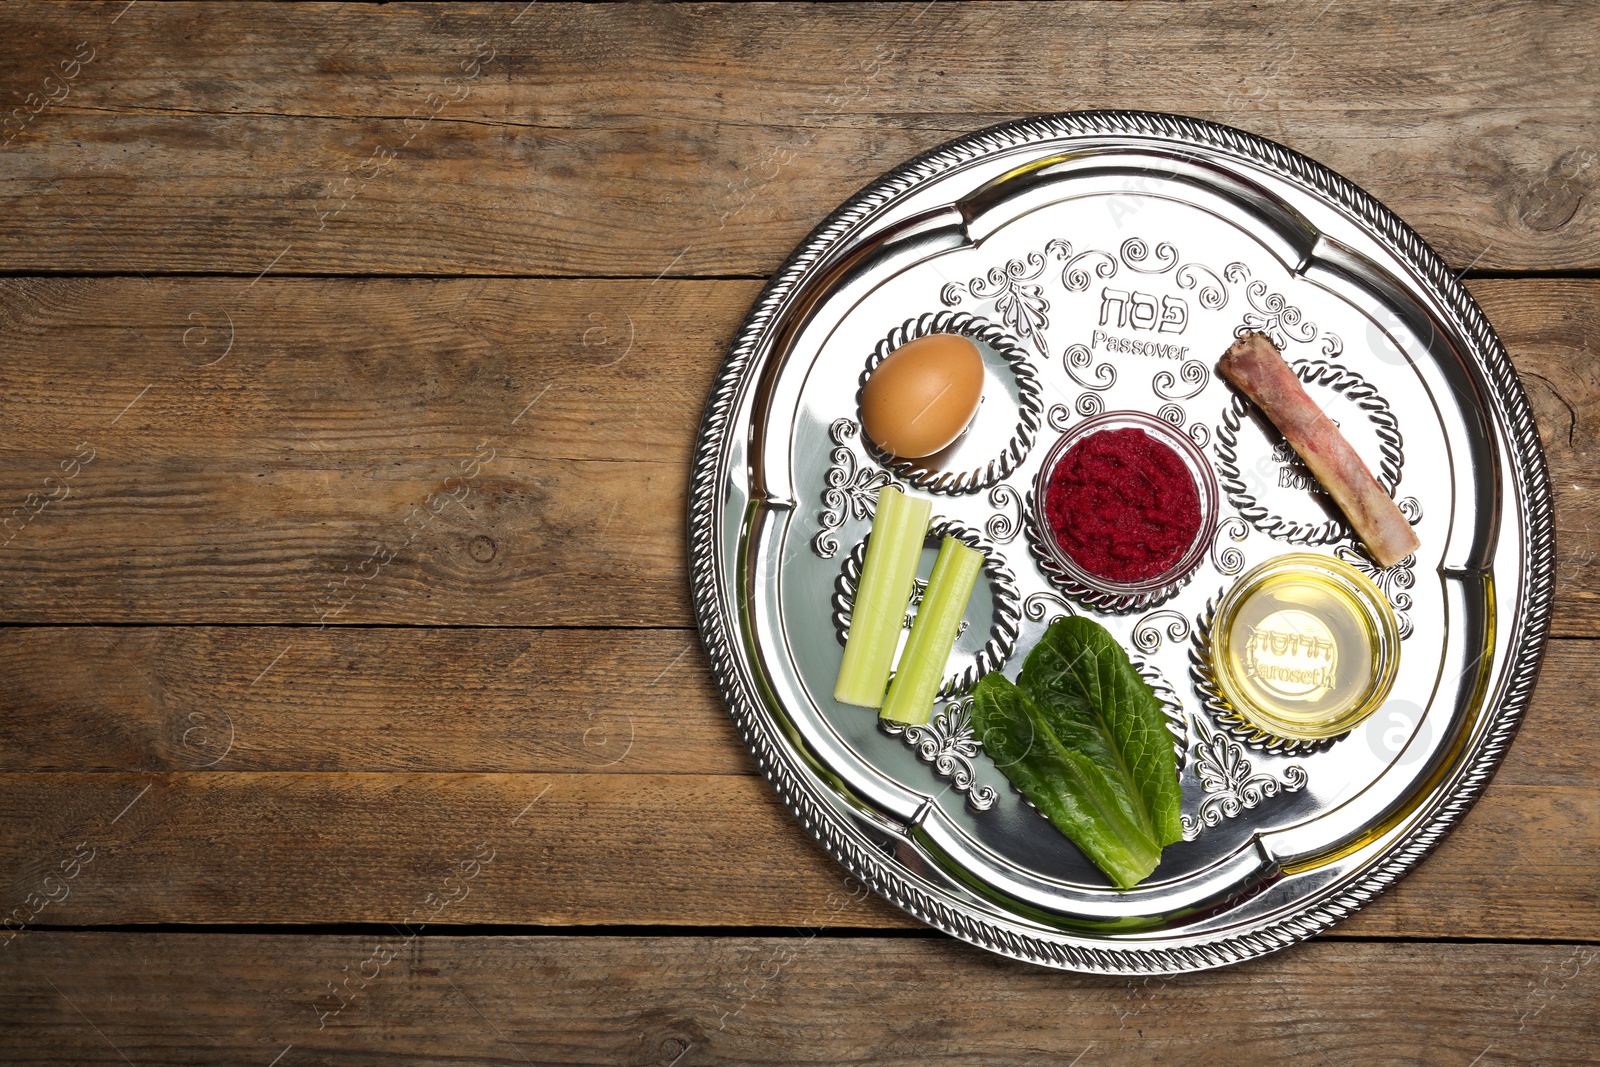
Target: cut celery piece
[933, 634]
[894, 549]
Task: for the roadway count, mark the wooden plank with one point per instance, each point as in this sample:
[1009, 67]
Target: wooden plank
[330, 372]
[1550, 748]
[308, 475]
[258, 487]
[469, 700]
[212, 998]
[1550, 331]
[568, 848]
[709, 139]
[532, 542]
[709, 850]
[356, 699]
[408, 701]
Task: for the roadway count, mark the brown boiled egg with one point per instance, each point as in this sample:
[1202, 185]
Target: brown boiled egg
[923, 395]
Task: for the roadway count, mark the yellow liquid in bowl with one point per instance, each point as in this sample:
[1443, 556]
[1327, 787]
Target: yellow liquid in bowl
[1305, 646]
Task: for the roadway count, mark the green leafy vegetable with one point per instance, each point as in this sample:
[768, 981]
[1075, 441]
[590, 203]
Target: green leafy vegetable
[933, 633]
[894, 548]
[1083, 737]
[1073, 792]
[1123, 728]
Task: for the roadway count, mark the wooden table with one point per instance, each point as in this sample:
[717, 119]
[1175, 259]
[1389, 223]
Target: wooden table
[350, 361]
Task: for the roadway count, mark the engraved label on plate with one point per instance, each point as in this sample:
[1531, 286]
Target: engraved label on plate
[1292, 471]
[1174, 314]
[1133, 346]
[1142, 312]
[1292, 655]
[1118, 297]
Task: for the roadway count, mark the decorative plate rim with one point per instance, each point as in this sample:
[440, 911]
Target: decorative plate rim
[932, 904]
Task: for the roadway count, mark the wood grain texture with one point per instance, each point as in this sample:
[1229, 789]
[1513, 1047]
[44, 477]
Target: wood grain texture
[227, 699]
[683, 849]
[380, 451]
[328, 371]
[1551, 332]
[620, 140]
[211, 998]
[271, 484]
[329, 630]
[358, 699]
[296, 848]
[549, 704]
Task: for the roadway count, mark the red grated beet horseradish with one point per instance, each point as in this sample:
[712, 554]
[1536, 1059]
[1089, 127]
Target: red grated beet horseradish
[1122, 505]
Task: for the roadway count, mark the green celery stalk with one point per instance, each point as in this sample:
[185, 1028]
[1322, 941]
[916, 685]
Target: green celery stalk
[894, 548]
[933, 634]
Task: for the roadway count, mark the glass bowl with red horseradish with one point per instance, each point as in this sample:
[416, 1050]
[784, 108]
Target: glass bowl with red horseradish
[1124, 508]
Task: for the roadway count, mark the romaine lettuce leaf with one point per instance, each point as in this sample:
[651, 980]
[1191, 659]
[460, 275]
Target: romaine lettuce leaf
[1083, 737]
[1067, 786]
[1124, 730]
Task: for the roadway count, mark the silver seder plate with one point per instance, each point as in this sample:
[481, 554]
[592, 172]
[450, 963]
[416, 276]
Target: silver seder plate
[1103, 261]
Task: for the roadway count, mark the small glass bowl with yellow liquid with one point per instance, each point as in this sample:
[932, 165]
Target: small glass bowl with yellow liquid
[1304, 646]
